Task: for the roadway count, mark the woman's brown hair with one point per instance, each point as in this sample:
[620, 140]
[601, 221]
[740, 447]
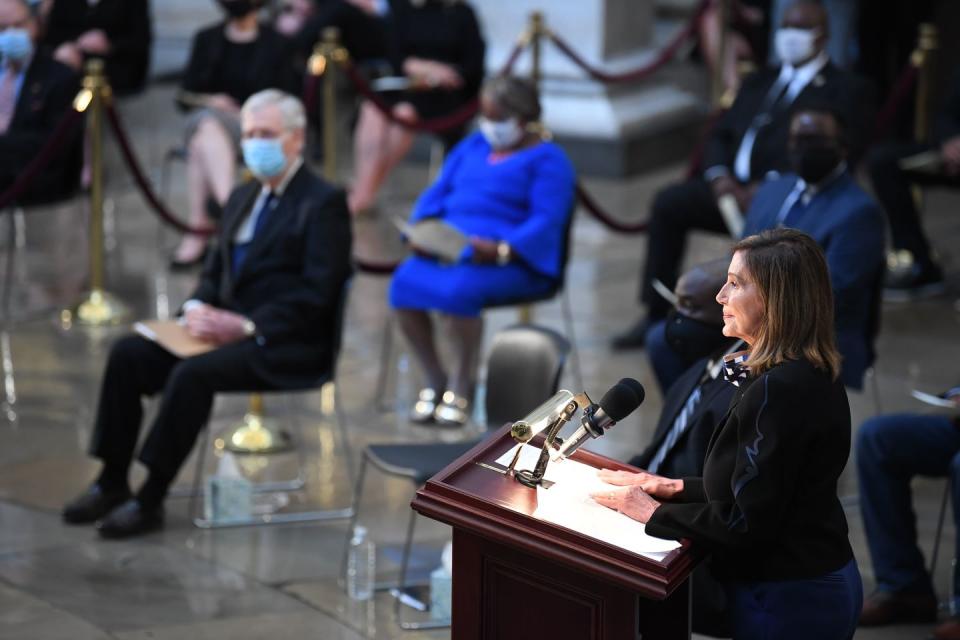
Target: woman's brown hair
[791, 274]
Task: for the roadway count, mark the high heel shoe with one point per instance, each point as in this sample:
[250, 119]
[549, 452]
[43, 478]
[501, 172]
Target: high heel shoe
[423, 409]
[453, 411]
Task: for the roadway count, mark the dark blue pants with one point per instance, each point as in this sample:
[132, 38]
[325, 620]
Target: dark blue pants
[890, 451]
[667, 364]
[824, 608]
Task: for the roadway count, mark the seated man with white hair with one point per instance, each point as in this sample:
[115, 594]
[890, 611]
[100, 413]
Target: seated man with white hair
[267, 299]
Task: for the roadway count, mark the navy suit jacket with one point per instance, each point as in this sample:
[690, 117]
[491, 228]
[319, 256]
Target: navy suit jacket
[292, 279]
[849, 226]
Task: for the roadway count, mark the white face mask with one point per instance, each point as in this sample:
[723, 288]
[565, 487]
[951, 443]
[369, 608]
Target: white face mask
[795, 45]
[501, 134]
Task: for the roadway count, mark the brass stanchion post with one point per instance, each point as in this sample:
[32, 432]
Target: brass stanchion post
[535, 35]
[98, 307]
[256, 434]
[924, 59]
[334, 54]
[718, 90]
[536, 38]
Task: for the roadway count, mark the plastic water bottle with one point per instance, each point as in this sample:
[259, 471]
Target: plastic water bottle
[361, 565]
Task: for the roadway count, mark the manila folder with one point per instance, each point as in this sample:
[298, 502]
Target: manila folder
[172, 336]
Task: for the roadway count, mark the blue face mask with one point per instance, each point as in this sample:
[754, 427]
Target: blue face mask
[15, 45]
[264, 156]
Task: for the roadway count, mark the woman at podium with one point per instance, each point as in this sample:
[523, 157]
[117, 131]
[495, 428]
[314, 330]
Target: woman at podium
[766, 507]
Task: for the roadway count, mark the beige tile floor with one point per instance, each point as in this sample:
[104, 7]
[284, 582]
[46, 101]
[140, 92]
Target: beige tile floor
[280, 582]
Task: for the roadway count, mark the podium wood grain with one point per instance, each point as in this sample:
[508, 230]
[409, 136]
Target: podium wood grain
[518, 578]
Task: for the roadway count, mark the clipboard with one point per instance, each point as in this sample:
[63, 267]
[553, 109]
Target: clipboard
[172, 336]
[435, 236]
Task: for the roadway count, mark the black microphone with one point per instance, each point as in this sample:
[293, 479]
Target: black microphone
[615, 405]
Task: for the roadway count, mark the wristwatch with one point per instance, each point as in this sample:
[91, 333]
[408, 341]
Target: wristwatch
[249, 328]
[503, 253]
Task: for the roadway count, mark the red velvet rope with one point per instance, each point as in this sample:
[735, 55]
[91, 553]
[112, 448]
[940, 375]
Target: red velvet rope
[310, 83]
[901, 90]
[145, 187]
[591, 205]
[375, 268]
[40, 161]
[665, 55]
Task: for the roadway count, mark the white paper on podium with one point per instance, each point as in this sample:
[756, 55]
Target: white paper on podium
[568, 503]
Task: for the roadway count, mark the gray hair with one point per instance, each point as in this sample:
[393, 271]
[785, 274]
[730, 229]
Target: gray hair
[519, 97]
[291, 109]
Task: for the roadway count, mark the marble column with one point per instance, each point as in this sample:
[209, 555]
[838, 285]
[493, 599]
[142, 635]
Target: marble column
[607, 129]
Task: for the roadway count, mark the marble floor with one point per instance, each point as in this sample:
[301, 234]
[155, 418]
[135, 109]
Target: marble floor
[281, 581]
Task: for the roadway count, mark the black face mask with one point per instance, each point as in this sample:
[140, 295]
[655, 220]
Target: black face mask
[239, 8]
[692, 339]
[814, 162]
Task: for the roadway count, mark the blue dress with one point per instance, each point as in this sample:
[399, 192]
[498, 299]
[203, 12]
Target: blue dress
[525, 199]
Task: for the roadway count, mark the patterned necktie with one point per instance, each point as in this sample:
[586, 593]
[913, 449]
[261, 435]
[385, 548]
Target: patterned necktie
[8, 98]
[680, 425]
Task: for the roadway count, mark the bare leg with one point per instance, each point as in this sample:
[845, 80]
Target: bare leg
[378, 147]
[210, 171]
[467, 333]
[418, 329]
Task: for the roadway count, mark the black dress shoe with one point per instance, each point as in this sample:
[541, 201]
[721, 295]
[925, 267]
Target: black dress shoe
[93, 504]
[130, 519]
[633, 337]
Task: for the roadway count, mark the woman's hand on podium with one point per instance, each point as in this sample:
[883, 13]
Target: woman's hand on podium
[655, 485]
[632, 501]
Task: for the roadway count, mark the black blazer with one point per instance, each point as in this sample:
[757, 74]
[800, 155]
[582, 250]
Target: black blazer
[851, 95]
[45, 97]
[127, 25]
[686, 456]
[767, 504]
[273, 66]
[292, 278]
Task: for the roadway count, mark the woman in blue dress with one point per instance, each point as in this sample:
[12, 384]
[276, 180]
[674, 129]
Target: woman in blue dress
[511, 194]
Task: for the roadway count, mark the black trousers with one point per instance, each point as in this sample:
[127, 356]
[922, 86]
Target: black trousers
[137, 367]
[892, 186]
[677, 210]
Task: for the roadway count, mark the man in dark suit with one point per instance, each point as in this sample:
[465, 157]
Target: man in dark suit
[746, 146]
[893, 185]
[267, 299]
[35, 93]
[116, 30]
[823, 200]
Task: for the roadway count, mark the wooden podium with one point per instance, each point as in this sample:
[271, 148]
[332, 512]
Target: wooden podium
[516, 577]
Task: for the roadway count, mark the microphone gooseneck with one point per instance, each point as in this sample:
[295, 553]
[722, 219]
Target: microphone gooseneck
[615, 405]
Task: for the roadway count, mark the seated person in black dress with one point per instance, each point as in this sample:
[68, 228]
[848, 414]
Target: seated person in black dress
[229, 62]
[116, 30]
[267, 300]
[35, 93]
[438, 46]
[363, 26]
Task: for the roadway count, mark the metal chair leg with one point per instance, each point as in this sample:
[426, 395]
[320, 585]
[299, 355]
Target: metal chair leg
[574, 350]
[386, 359]
[401, 597]
[357, 493]
[936, 541]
